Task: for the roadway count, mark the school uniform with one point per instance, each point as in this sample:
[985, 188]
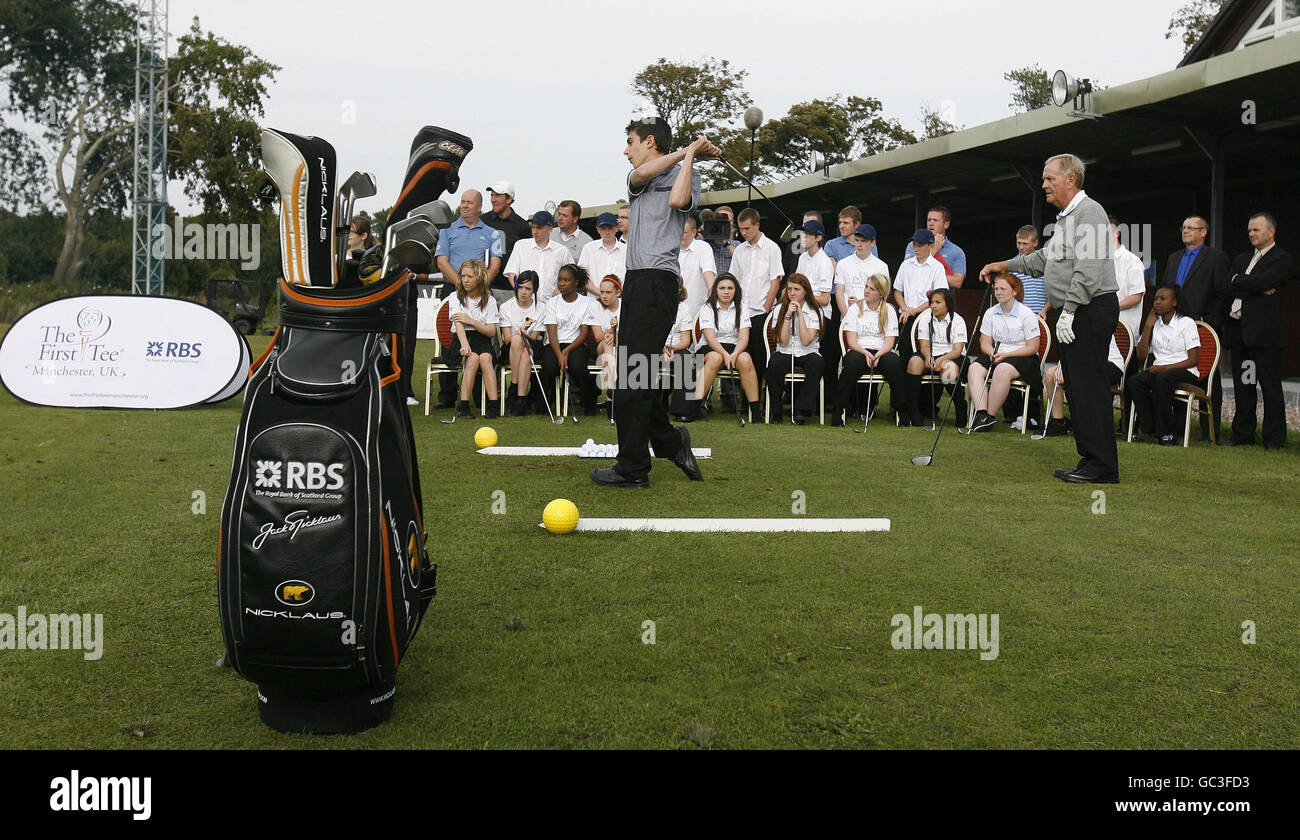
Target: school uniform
[485, 314]
[568, 317]
[546, 261]
[600, 262]
[915, 280]
[1011, 331]
[754, 267]
[681, 399]
[805, 357]
[943, 336]
[865, 324]
[1153, 393]
[513, 316]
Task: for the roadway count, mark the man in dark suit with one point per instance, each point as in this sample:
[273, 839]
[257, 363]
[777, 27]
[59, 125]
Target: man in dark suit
[1257, 280]
[1200, 272]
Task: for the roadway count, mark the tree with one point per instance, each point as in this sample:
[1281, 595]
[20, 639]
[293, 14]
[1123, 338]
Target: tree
[1191, 20]
[695, 98]
[840, 129]
[1030, 88]
[68, 67]
[936, 123]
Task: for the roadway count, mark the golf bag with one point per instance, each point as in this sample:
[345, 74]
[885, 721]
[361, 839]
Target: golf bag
[301, 171]
[323, 573]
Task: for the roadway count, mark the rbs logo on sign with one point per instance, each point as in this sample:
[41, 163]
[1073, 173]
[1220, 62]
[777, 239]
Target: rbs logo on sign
[174, 349]
[297, 475]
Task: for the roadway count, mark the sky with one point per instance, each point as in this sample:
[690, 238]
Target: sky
[543, 89]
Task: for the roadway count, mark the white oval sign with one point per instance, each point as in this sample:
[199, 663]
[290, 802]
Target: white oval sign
[121, 351]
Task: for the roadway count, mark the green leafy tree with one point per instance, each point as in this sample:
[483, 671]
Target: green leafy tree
[68, 69]
[1031, 88]
[695, 98]
[1191, 20]
[936, 124]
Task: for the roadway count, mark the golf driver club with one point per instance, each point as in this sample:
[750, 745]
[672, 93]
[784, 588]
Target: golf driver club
[418, 230]
[1047, 415]
[438, 212]
[532, 365]
[866, 417]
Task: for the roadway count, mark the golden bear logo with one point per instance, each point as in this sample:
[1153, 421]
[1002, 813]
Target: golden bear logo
[295, 593]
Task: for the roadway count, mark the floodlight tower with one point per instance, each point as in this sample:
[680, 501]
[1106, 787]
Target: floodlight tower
[149, 191]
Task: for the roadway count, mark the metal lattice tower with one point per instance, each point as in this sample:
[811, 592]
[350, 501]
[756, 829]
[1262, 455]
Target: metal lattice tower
[149, 194]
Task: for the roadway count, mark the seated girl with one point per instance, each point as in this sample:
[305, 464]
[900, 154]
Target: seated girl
[521, 339]
[1176, 344]
[679, 356]
[565, 313]
[798, 326]
[1009, 338]
[724, 335]
[941, 340]
[870, 330]
[602, 320]
[474, 317]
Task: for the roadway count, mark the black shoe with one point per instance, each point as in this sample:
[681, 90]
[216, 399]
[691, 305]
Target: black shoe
[983, 421]
[445, 404]
[1236, 442]
[610, 477]
[686, 458]
[464, 411]
[1062, 473]
[493, 410]
[1082, 477]
[1057, 427]
[799, 420]
[1168, 440]
[837, 420]
[1275, 447]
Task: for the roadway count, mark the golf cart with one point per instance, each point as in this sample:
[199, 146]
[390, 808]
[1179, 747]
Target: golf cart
[241, 302]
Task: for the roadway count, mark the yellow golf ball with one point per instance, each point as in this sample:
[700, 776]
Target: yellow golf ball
[560, 516]
[486, 436]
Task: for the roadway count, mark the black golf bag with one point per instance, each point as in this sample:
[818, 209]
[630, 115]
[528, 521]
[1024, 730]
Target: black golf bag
[323, 575]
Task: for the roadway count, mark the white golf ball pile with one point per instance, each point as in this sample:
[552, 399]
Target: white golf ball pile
[591, 449]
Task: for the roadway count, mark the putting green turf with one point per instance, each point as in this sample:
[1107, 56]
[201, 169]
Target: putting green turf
[1119, 629]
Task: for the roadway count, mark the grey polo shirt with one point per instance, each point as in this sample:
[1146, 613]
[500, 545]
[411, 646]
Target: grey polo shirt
[655, 228]
[1078, 262]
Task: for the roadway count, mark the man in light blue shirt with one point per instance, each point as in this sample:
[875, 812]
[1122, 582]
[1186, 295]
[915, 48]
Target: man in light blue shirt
[468, 238]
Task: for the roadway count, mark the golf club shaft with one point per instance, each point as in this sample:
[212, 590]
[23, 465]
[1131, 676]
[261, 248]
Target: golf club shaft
[760, 192]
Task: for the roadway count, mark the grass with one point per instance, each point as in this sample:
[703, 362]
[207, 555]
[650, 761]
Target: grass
[1118, 630]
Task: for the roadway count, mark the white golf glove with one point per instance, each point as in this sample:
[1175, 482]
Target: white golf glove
[1065, 328]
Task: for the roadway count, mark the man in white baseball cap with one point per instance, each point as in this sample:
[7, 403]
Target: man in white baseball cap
[513, 227]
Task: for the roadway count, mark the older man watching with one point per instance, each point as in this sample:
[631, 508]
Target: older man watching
[1078, 268]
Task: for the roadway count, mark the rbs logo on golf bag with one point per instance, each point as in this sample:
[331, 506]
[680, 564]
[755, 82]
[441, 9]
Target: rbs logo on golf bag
[298, 475]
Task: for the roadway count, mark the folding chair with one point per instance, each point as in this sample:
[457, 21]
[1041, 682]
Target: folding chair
[930, 379]
[1044, 345]
[446, 338]
[1127, 347]
[769, 339]
[876, 379]
[1207, 365]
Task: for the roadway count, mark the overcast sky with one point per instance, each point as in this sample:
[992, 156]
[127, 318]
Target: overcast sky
[543, 88]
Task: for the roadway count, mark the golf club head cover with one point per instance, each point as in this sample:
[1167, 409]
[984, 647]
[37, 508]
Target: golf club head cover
[303, 172]
[432, 169]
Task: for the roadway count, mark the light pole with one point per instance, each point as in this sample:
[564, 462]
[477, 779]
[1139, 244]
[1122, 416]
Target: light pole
[753, 119]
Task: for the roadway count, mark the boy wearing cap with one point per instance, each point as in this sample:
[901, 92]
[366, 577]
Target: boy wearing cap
[604, 256]
[662, 189]
[815, 264]
[539, 254]
[851, 273]
[917, 277]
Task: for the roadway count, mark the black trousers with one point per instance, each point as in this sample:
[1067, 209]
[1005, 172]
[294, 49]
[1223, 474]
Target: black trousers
[582, 382]
[1267, 365]
[889, 365]
[646, 315]
[1153, 397]
[1087, 385]
[758, 343]
[778, 368]
[830, 351]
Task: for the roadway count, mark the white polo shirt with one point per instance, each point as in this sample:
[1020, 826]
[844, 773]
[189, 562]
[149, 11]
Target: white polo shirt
[567, 317]
[867, 326]
[916, 280]
[724, 326]
[820, 271]
[513, 315]
[1131, 276]
[1170, 342]
[600, 262]
[795, 347]
[1115, 357]
[598, 316]
[486, 315]
[692, 273]
[526, 256]
[940, 343]
[1010, 331]
[708, 264]
[755, 266]
[684, 322]
[851, 274]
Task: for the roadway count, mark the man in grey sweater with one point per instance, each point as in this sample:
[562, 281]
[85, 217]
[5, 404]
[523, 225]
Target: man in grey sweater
[1078, 268]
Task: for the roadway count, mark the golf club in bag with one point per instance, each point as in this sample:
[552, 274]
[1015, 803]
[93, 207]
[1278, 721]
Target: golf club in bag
[926, 460]
[301, 171]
